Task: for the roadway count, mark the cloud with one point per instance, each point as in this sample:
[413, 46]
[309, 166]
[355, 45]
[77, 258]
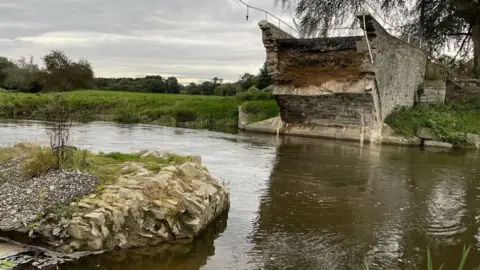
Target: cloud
[191, 39]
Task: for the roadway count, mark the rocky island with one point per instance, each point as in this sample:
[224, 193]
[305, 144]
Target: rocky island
[101, 202]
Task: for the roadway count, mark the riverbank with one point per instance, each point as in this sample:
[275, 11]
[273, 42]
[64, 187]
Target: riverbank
[99, 202]
[127, 107]
[452, 121]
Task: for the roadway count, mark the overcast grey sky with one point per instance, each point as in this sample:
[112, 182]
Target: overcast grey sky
[189, 39]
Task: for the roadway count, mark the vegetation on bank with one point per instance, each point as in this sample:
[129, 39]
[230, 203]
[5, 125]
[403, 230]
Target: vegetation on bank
[127, 107]
[106, 167]
[451, 121]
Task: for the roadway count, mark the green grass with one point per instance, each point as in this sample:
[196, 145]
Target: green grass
[450, 121]
[258, 110]
[107, 167]
[128, 107]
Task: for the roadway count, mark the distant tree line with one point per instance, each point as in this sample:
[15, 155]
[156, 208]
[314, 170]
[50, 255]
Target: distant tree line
[159, 84]
[59, 74]
[148, 84]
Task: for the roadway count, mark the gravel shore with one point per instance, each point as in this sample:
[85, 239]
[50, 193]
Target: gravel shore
[24, 201]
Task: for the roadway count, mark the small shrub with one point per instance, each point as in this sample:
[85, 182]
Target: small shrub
[38, 162]
[127, 114]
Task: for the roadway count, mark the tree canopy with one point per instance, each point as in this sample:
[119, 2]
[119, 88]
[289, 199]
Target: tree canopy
[438, 22]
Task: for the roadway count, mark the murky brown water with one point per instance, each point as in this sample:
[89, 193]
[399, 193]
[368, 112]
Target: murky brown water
[301, 203]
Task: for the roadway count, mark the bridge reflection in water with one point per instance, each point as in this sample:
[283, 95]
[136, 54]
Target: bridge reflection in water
[332, 205]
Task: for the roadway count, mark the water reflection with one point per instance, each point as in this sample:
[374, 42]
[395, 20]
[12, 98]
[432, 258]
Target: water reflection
[333, 205]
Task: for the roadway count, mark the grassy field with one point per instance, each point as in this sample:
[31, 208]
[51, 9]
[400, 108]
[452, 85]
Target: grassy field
[450, 121]
[127, 107]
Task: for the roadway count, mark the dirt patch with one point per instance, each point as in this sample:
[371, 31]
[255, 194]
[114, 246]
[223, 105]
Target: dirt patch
[302, 69]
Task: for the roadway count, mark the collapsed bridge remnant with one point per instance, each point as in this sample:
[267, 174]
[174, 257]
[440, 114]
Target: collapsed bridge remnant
[340, 87]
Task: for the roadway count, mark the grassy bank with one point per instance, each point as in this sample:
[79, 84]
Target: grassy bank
[127, 107]
[450, 121]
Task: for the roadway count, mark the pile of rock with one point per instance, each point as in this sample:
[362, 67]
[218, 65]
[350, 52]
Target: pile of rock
[23, 201]
[145, 208]
[67, 211]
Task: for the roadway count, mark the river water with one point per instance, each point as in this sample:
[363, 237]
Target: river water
[299, 203]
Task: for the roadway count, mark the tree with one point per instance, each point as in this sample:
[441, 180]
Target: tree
[23, 76]
[207, 88]
[226, 89]
[5, 65]
[247, 80]
[153, 84]
[193, 89]
[216, 82]
[172, 86]
[437, 21]
[62, 74]
[263, 79]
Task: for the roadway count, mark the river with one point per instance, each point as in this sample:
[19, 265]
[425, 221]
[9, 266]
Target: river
[299, 203]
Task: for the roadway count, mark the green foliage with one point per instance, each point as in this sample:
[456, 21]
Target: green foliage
[226, 89]
[122, 157]
[246, 81]
[59, 74]
[258, 110]
[450, 121]
[4, 264]
[62, 74]
[264, 79]
[38, 162]
[254, 95]
[126, 107]
[183, 115]
[127, 114]
[22, 76]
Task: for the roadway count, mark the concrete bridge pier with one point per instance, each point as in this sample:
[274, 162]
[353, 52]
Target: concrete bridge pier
[329, 87]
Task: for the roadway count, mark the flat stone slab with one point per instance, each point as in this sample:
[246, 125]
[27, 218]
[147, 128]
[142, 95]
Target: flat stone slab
[400, 140]
[271, 125]
[438, 144]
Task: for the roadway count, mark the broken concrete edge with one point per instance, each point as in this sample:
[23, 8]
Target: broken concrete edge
[274, 31]
[388, 136]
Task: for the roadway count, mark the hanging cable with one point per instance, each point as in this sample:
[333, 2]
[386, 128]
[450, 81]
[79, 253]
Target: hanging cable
[248, 9]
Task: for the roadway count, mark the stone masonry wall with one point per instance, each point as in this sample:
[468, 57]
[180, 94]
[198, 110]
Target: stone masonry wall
[332, 82]
[433, 92]
[399, 67]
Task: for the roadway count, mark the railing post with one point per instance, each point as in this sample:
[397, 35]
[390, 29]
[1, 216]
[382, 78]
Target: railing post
[366, 37]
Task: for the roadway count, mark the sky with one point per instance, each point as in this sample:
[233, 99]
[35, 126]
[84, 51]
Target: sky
[193, 40]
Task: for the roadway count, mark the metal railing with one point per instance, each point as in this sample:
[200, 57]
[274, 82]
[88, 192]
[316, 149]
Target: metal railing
[267, 14]
[394, 30]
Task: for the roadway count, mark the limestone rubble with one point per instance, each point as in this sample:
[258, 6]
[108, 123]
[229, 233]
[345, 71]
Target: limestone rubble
[141, 208]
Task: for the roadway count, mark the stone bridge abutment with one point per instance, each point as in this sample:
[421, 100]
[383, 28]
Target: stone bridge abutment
[329, 87]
